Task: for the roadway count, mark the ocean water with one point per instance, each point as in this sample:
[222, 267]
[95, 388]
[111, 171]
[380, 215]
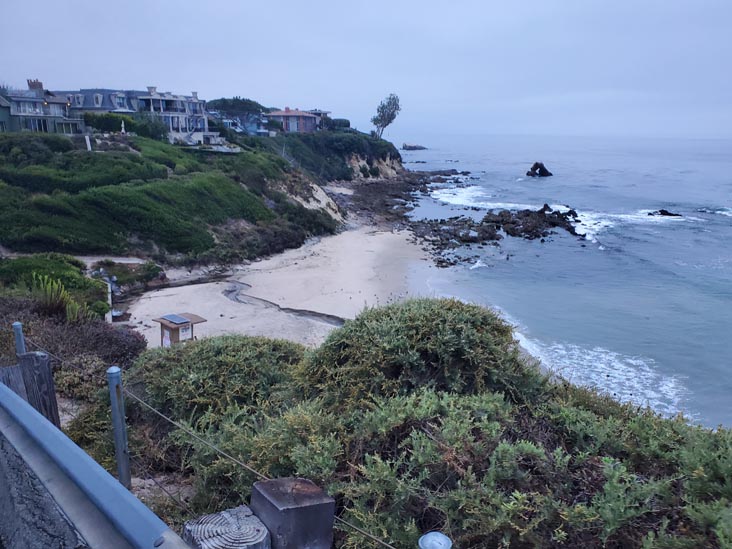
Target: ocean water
[642, 307]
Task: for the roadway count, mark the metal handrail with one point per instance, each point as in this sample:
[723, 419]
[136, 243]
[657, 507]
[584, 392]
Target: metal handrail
[127, 514]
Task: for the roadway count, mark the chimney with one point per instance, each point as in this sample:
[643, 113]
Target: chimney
[152, 90]
[35, 84]
[287, 109]
[195, 95]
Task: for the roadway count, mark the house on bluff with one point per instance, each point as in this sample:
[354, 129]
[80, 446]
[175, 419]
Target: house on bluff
[294, 120]
[37, 110]
[184, 115]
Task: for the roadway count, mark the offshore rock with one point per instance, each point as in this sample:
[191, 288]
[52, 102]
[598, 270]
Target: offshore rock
[539, 170]
[665, 213]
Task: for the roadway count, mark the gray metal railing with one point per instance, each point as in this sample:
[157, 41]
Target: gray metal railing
[137, 524]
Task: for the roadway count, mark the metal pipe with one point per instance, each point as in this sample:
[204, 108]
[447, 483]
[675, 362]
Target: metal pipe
[19, 338]
[121, 450]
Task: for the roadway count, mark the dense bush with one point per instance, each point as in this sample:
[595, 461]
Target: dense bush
[324, 153]
[421, 416]
[178, 159]
[79, 170]
[223, 373]
[68, 270]
[88, 348]
[55, 198]
[142, 124]
[442, 344]
[174, 214]
[236, 106]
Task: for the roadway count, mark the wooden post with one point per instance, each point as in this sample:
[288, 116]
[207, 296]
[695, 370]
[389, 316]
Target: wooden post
[32, 380]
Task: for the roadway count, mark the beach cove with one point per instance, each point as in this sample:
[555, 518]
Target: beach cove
[301, 294]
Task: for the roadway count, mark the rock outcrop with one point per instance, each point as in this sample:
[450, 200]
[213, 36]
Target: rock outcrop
[539, 170]
[665, 213]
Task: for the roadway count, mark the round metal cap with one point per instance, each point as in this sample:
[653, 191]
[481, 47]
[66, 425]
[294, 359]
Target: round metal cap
[435, 540]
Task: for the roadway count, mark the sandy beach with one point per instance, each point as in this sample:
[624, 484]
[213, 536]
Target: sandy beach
[301, 294]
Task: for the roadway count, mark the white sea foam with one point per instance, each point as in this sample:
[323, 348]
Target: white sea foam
[474, 196]
[477, 265]
[589, 224]
[727, 212]
[627, 378]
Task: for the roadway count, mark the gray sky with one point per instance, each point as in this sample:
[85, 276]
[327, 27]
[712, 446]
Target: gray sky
[576, 67]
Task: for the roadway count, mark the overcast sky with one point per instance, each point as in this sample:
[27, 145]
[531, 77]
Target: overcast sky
[565, 67]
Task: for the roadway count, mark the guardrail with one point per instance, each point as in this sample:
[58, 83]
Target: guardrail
[98, 507]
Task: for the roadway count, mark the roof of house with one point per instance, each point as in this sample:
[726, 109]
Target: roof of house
[4, 102]
[290, 112]
[88, 103]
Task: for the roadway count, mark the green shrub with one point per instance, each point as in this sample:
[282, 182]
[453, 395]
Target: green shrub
[143, 124]
[213, 375]
[22, 272]
[324, 154]
[443, 344]
[421, 416]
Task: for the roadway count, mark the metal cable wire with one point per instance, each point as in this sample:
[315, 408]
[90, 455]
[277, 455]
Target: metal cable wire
[59, 359]
[147, 475]
[214, 447]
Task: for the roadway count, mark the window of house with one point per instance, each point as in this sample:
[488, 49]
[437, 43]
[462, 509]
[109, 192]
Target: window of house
[2, 126]
[36, 124]
[97, 99]
[79, 100]
[121, 101]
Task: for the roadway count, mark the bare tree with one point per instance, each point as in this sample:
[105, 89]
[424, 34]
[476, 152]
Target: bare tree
[386, 112]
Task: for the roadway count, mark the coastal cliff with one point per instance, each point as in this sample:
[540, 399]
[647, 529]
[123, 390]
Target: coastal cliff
[384, 168]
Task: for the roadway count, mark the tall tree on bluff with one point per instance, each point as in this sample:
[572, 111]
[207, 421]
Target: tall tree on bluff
[386, 112]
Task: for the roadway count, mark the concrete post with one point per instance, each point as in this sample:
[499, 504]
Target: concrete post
[296, 512]
[19, 338]
[121, 450]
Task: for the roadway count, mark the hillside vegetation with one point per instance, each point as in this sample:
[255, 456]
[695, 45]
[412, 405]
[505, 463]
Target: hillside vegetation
[323, 154]
[422, 416]
[149, 197]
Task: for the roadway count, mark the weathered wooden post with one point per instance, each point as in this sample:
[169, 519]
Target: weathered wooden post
[19, 338]
[40, 391]
[32, 380]
[121, 450]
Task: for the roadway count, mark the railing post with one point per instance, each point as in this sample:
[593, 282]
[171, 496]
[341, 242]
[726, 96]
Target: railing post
[122, 453]
[35, 369]
[19, 338]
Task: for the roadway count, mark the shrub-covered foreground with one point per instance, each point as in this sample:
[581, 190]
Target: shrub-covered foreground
[423, 416]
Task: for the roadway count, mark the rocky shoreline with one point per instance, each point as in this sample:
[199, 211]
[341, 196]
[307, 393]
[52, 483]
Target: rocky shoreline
[390, 201]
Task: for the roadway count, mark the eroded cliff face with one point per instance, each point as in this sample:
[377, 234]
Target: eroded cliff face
[376, 168]
[310, 195]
